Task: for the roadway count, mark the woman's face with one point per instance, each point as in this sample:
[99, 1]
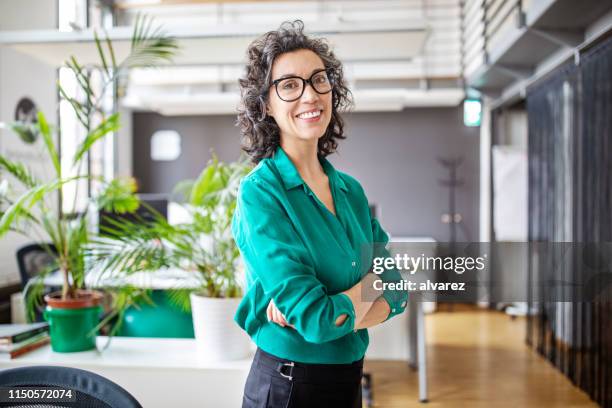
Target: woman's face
[306, 118]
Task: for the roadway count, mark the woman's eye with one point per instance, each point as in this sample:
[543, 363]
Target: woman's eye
[321, 79]
[289, 85]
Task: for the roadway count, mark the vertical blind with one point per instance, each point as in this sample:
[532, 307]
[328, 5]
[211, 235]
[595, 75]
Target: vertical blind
[570, 200]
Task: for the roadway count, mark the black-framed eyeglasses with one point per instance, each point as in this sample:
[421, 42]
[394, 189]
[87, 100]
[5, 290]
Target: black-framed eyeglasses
[292, 88]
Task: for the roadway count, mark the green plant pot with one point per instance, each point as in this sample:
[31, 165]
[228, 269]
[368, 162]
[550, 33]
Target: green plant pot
[72, 329]
[163, 319]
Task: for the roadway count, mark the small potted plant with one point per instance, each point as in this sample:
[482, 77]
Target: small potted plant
[74, 312]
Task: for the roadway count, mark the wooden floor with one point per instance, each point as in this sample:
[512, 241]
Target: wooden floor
[476, 358]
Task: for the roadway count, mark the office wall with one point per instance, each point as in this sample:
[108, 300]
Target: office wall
[393, 154]
[21, 76]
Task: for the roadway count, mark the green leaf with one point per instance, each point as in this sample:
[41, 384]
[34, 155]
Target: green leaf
[110, 124]
[11, 215]
[27, 132]
[149, 47]
[45, 131]
[109, 44]
[19, 171]
[27, 200]
[101, 53]
[209, 182]
[81, 76]
[76, 241]
[179, 298]
[51, 226]
[79, 109]
[85, 84]
[119, 196]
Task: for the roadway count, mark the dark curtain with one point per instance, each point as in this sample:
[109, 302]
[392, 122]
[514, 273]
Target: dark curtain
[570, 200]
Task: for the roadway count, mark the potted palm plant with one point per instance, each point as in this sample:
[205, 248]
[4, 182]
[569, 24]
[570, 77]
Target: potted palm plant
[74, 312]
[204, 249]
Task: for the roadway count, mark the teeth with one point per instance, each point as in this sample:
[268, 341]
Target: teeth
[308, 115]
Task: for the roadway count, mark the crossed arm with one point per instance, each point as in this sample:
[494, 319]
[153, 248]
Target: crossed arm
[370, 309]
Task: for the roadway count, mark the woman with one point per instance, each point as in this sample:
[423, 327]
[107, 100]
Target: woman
[304, 231]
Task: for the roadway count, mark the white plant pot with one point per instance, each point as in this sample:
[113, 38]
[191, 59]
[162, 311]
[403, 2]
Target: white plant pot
[218, 337]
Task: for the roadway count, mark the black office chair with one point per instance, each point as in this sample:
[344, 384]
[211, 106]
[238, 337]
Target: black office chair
[33, 259]
[90, 390]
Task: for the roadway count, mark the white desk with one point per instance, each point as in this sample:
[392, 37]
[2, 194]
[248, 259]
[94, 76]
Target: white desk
[157, 372]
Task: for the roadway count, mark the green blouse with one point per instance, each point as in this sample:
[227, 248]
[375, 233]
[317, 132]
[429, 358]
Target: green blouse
[302, 256]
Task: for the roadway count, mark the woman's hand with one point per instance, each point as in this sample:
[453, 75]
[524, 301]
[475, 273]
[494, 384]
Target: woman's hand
[362, 295]
[377, 314]
[275, 315]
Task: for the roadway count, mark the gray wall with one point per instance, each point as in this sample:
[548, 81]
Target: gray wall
[394, 155]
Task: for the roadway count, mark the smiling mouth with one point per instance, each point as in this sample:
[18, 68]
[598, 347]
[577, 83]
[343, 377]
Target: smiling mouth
[310, 115]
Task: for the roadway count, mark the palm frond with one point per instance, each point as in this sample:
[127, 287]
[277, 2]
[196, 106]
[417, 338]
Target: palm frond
[110, 124]
[101, 53]
[207, 183]
[19, 171]
[76, 238]
[27, 200]
[80, 110]
[111, 51]
[129, 246]
[179, 298]
[82, 78]
[45, 131]
[149, 47]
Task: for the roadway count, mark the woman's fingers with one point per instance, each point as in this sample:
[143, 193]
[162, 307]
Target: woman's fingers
[278, 317]
[269, 311]
[285, 322]
[275, 315]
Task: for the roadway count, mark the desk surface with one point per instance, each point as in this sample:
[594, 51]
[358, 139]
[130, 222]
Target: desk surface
[158, 372]
[132, 352]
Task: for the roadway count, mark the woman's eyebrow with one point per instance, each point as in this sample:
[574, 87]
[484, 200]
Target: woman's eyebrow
[295, 75]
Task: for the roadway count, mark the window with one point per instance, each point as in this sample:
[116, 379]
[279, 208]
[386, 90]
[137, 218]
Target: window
[100, 162]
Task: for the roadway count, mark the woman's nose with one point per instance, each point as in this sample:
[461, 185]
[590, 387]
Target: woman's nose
[309, 94]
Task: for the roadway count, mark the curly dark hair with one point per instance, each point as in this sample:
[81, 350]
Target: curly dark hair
[260, 133]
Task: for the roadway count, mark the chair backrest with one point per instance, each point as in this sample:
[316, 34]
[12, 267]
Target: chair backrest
[33, 259]
[90, 390]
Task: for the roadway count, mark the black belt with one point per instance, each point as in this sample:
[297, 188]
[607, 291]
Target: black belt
[324, 373]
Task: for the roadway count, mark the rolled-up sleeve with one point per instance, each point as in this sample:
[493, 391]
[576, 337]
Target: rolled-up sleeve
[276, 256]
[397, 299]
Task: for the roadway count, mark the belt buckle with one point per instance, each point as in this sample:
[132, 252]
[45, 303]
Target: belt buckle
[287, 376]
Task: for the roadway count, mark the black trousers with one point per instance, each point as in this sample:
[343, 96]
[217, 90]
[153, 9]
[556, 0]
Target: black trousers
[278, 383]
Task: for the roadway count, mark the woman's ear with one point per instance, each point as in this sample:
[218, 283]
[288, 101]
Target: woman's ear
[265, 108]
